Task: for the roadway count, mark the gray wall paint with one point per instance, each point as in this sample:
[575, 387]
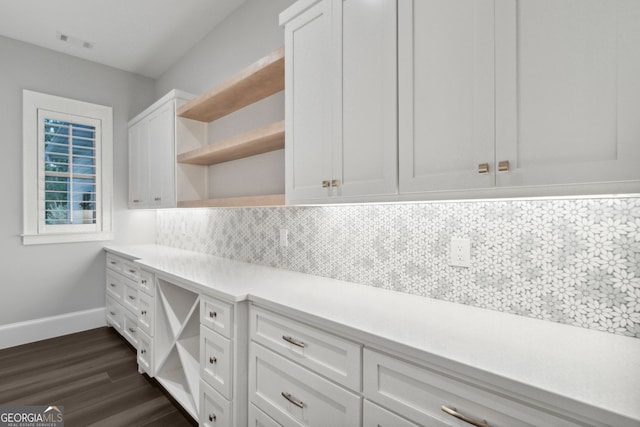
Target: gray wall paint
[48, 280]
[250, 33]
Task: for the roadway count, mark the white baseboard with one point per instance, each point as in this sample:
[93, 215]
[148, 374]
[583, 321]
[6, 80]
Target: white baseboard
[50, 327]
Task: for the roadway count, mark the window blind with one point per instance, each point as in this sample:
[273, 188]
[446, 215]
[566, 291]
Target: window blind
[69, 172]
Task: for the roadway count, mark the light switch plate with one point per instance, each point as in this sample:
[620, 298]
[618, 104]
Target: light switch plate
[460, 252]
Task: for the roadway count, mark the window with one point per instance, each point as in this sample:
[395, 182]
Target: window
[67, 148]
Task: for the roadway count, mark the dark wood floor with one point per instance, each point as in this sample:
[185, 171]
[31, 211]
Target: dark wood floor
[94, 375]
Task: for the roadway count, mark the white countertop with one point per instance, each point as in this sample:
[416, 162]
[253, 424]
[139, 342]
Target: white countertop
[597, 369]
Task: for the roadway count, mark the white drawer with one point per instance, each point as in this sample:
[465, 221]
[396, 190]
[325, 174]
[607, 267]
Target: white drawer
[257, 418]
[215, 410]
[375, 416]
[130, 298]
[145, 353]
[146, 313]
[131, 270]
[130, 328]
[147, 283]
[115, 263]
[294, 396]
[216, 361]
[327, 354]
[217, 316]
[418, 393]
[114, 314]
[115, 286]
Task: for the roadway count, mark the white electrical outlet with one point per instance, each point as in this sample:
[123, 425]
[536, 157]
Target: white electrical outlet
[284, 237]
[460, 252]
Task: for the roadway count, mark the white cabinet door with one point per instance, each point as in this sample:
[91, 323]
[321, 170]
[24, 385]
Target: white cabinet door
[308, 92]
[162, 157]
[365, 159]
[138, 165]
[341, 101]
[446, 90]
[567, 91]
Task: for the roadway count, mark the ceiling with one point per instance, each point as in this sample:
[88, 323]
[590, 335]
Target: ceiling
[141, 36]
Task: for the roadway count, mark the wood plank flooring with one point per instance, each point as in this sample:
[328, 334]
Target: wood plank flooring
[94, 375]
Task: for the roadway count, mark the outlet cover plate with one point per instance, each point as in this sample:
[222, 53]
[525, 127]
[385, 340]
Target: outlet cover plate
[460, 252]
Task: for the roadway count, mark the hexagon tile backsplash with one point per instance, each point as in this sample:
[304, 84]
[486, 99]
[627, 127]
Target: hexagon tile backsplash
[574, 261]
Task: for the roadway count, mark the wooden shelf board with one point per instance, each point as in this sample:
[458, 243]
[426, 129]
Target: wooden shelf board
[259, 80]
[256, 141]
[268, 200]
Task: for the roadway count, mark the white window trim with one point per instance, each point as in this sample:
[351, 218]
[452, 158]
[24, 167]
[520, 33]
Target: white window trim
[32, 233]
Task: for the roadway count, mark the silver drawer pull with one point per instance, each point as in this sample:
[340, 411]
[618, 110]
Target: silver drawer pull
[212, 417]
[296, 402]
[293, 341]
[113, 285]
[131, 297]
[213, 360]
[213, 314]
[132, 330]
[144, 281]
[113, 262]
[132, 271]
[113, 313]
[143, 312]
[143, 351]
[157, 199]
[454, 413]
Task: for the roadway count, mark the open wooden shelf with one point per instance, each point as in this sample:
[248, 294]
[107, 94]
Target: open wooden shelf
[231, 202]
[256, 141]
[259, 80]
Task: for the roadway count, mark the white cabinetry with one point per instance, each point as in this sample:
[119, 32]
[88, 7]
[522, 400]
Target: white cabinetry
[340, 75]
[287, 359]
[223, 363]
[146, 322]
[153, 136]
[494, 98]
[425, 396]
[122, 297]
[518, 93]
[446, 94]
[567, 91]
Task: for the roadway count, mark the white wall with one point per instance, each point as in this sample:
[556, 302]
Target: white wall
[250, 33]
[48, 280]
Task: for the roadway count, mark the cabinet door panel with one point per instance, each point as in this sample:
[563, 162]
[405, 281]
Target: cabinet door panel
[308, 121]
[567, 91]
[446, 92]
[365, 153]
[162, 157]
[138, 165]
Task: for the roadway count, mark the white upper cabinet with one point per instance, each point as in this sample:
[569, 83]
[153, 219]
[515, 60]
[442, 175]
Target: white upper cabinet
[154, 137]
[341, 99]
[518, 96]
[567, 91]
[307, 40]
[446, 91]
[162, 160]
[138, 169]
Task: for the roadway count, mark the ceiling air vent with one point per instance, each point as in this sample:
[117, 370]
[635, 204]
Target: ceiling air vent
[74, 41]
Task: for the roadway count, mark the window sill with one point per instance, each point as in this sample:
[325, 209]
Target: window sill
[45, 239]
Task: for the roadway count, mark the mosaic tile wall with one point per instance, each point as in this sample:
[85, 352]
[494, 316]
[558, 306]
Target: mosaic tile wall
[574, 261]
